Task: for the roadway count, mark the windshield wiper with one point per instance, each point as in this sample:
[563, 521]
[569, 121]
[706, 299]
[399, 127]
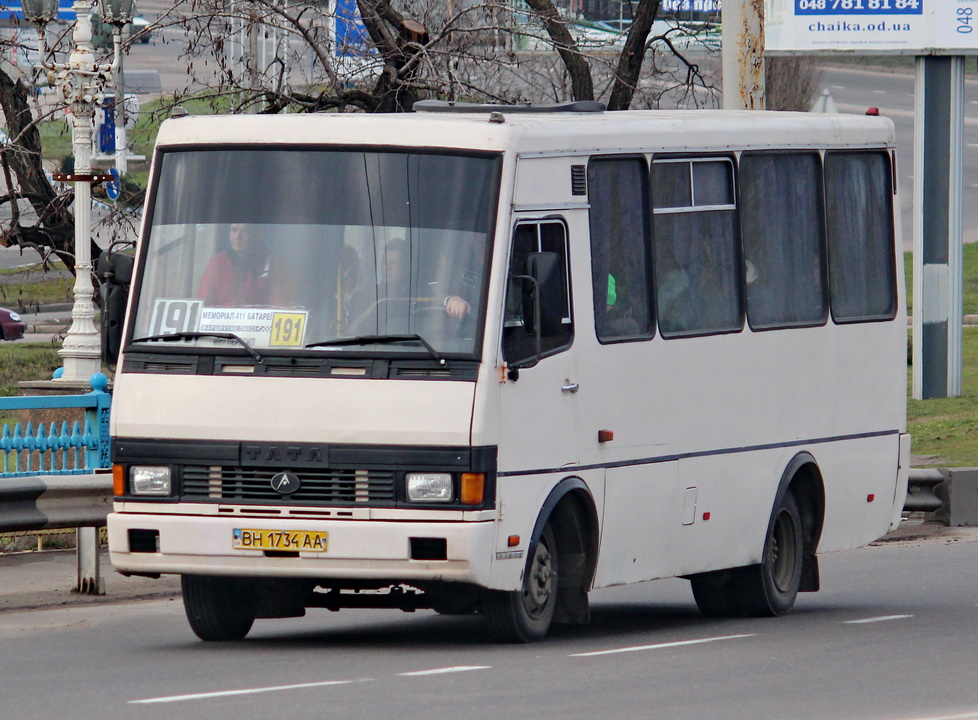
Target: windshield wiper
[380, 340]
[169, 337]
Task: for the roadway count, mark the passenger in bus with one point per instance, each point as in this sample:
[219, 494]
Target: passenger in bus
[348, 278]
[397, 270]
[618, 321]
[672, 286]
[238, 276]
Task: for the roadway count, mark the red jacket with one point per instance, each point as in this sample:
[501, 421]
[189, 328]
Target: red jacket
[232, 282]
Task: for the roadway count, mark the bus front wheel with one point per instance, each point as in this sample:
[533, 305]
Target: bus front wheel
[525, 615]
[218, 608]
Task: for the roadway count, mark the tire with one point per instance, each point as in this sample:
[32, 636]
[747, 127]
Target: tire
[770, 588]
[455, 599]
[767, 589]
[714, 596]
[525, 615]
[218, 608]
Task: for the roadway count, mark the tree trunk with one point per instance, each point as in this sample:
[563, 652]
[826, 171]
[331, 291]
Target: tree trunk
[582, 85]
[633, 55]
[399, 41]
[22, 163]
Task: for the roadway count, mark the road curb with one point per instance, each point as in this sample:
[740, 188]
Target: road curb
[46, 579]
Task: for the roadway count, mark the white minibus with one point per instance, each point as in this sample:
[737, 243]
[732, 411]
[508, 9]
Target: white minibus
[488, 359]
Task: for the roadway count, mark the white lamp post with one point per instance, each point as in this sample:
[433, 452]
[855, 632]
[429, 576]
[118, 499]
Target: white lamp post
[80, 82]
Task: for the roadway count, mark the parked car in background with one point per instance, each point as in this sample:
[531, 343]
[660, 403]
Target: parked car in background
[102, 32]
[11, 326]
[138, 24]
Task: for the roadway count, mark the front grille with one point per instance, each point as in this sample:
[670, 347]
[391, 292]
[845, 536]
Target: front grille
[318, 486]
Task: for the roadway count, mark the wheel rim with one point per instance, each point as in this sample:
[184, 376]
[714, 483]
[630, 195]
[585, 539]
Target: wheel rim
[783, 551]
[538, 587]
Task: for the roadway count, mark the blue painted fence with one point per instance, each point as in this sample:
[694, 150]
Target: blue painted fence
[26, 450]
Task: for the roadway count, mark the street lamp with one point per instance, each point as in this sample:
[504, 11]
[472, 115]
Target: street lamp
[118, 13]
[79, 82]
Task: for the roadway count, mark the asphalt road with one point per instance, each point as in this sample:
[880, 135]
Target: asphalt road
[891, 636]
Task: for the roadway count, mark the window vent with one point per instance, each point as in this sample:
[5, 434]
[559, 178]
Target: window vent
[578, 179]
[168, 368]
[297, 369]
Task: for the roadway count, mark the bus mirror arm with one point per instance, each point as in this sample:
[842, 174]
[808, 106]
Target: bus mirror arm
[114, 269]
[542, 303]
[531, 321]
[548, 293]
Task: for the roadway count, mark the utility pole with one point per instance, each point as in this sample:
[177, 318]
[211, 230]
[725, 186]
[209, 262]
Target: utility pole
[743, 54]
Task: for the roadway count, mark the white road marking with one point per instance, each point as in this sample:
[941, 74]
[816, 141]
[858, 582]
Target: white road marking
[882, 618]
[442, 671]
[659, 646]
[973, 715]
[244, 691]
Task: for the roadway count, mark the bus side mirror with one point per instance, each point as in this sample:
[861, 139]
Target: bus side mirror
[114, 269]
[543, 298]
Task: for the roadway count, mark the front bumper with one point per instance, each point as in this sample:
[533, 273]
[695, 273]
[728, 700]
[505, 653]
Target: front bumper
[13, 330]
[374, 550]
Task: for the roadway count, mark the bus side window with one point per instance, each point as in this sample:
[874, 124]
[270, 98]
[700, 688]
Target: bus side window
[859, 221]
[695, 244]
[529, 237]
[621, 275]
[784, 239]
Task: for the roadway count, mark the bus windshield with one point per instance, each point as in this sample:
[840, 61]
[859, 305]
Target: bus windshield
[292, 248]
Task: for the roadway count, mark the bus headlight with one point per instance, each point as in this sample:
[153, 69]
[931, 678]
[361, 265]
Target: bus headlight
[429, 487]
[150, 480]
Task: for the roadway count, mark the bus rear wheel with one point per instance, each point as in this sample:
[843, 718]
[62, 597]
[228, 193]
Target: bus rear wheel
[525, 615]
[763, 590]
[218, 608]
[770, 588]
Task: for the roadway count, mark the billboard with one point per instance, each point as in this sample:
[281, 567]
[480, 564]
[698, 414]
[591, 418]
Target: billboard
[352, 39]
[909, 27]
[13, 10]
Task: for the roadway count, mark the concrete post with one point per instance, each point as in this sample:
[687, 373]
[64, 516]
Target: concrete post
[937, 227]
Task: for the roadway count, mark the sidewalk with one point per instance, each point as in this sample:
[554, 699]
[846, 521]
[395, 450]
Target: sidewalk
[45, 579]
[33, 580]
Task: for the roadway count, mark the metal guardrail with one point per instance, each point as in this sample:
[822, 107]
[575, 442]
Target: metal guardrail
[47, 475]
[55, 502]
[921, 496]
[27, 450]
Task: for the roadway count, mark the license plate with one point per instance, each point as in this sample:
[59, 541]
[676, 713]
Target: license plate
[292, 540]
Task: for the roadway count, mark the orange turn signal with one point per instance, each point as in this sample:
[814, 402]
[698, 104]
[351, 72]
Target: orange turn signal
[118, 480]
[473, 488]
